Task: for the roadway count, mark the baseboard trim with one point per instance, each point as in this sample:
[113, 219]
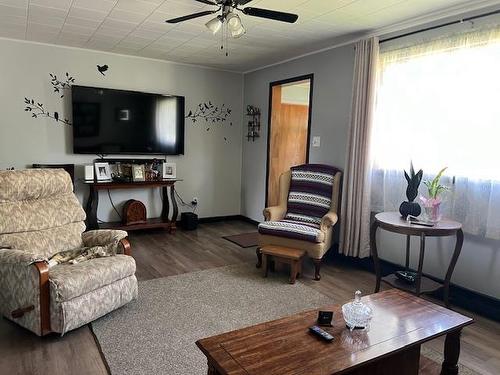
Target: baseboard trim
[215, 219]
[470, 300]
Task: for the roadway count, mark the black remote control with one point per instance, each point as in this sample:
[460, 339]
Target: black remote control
[321, 333]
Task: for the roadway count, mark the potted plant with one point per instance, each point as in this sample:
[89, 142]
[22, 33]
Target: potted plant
[410, 207]
[433, 202]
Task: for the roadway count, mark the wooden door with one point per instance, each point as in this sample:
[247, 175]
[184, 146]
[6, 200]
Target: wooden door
[288, 142]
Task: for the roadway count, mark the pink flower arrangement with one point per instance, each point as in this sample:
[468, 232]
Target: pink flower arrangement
[430, 202]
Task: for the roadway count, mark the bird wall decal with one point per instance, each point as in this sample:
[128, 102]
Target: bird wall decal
[102, 69]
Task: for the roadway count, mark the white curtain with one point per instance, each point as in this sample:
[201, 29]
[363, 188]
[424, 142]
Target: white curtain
[355, 210]
[438, 105]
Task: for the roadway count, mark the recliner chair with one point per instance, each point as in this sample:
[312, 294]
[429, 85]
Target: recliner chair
[309, 201]
[39, 217]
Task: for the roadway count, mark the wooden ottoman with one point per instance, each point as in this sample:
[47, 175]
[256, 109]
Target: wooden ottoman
[282, 254]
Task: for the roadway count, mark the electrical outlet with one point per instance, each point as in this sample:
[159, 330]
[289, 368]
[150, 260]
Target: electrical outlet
[316, 141]
[194, 201]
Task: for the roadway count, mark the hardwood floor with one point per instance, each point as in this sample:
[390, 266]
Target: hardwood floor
[159, 254]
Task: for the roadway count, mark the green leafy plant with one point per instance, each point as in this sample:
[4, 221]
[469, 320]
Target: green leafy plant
[434, 187]
[413, 180]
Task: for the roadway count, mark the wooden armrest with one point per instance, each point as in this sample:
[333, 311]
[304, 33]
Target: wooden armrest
[127, 249]
[43, 276]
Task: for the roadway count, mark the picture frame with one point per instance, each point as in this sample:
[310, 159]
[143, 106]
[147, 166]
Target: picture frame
[102, 171]
[138, 173]
[169, 171]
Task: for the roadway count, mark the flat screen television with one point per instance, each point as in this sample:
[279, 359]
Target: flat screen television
[107, 121]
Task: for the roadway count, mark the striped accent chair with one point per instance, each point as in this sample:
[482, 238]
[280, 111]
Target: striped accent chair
[304, 218]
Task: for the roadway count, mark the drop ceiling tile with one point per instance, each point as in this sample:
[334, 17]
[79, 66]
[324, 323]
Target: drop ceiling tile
[61, 4]
[122, 15]
[90, 14]
[12, 31]
[6, 20]
[15, 3]
[136, 6]
[96, 5]
[40, 11]
[76, 29]
[106, 32]
[12, 11]
[182, 8]
[43, 37]
[51, 21]
[37, 27]
[83, 22]
[147, 34]
[118, 25]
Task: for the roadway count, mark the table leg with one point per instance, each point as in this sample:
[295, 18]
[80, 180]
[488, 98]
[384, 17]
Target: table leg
[451, 353]
[376, 261]
[451, 267]
[420, 264]
[165, 209]
[259, 257]
[407, 263]
[212, 370]
[265, 264]
[91, 209]
[293, 271]
[175, 210]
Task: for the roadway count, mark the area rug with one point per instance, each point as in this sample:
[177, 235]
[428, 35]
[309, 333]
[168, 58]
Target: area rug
[437, 358]
[244, 239]
[157, 333]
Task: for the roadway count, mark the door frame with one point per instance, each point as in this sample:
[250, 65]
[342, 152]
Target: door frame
[304, 77]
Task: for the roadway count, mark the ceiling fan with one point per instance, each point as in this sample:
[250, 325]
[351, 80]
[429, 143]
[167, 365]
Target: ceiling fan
[228, 15]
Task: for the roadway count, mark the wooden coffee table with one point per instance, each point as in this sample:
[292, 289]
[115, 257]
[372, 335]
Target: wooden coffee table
[282, 254]
[401, 323]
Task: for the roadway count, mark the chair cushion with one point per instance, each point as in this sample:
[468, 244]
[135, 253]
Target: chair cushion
[69, 281]
[310, 195]
[292, 229]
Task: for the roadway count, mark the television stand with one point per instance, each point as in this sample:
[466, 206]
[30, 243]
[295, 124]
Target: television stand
[163, 221]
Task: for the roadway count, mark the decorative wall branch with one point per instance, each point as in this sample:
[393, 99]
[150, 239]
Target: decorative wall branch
[210, 113]
[37, 110]
[61, 86]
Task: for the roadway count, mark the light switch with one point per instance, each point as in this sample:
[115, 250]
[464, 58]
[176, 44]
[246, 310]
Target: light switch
[316, 141]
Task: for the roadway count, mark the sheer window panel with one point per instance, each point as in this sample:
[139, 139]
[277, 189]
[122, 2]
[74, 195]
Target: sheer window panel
[438, 105]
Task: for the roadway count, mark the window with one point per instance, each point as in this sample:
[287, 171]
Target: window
[438, 104]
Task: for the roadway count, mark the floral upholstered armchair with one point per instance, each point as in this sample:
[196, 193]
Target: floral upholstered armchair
[39, 218]
[309, 199]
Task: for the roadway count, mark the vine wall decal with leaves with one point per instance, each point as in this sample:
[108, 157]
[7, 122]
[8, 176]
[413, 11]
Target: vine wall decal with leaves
[38, 110]
[61, 86]
[209, 112]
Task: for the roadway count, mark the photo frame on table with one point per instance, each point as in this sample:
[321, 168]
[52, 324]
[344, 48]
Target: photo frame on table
[169, 171]
[138, 173]
[102, 171]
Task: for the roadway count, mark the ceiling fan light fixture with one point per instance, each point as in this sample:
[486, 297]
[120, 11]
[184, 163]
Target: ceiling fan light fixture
[214, 25]
[238, 32]
[233, 22]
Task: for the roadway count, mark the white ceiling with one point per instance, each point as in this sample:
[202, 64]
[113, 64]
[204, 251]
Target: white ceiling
[137, 27]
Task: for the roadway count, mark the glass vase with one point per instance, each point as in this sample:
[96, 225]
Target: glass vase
[433, 212]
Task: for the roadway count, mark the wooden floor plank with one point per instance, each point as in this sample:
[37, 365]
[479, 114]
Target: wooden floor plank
[159, 254]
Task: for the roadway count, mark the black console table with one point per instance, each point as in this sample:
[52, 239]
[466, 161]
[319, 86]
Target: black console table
[163, 221]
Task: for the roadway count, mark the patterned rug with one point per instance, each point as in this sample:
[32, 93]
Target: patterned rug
[157, 333]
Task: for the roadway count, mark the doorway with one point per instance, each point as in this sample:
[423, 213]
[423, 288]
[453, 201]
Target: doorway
[290, 105]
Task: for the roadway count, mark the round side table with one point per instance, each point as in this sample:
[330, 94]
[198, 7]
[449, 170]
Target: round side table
[393, 222]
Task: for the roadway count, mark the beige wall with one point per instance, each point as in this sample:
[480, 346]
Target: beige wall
[211, 165]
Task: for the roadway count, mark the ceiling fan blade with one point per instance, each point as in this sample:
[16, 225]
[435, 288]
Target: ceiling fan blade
[242, 2]
[206, 2]
[191, 16]
[271, 14]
